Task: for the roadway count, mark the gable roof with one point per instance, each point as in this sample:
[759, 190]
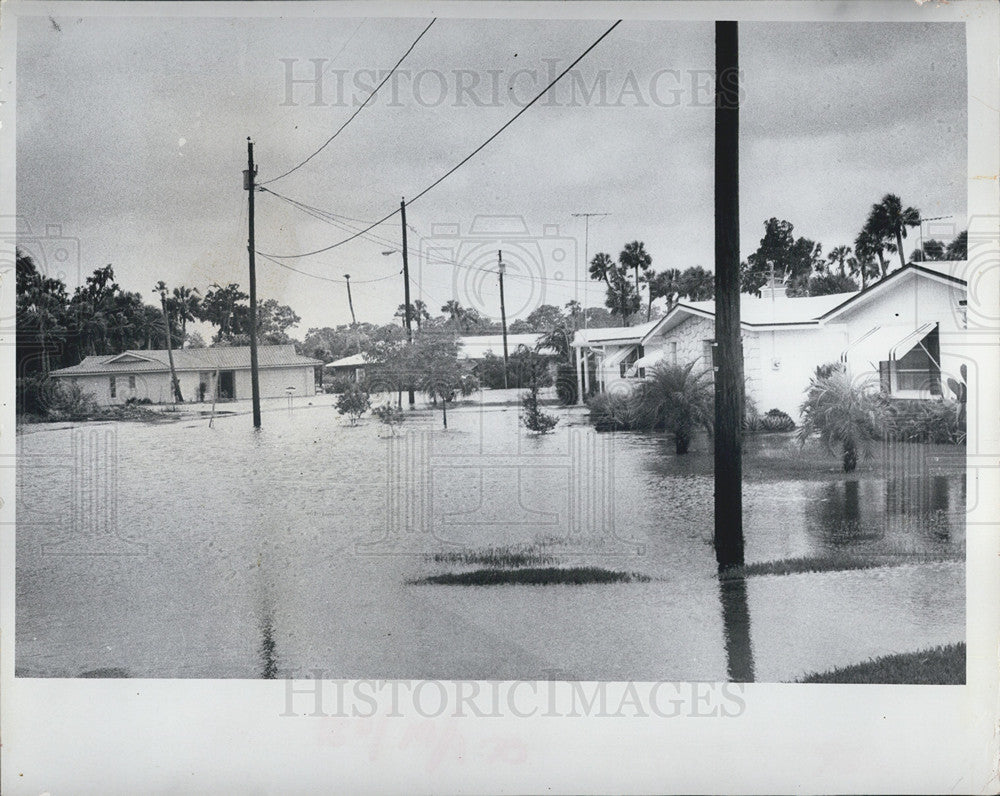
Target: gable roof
[222, 358]
[352, 361]
[612, 335]
[782, 311]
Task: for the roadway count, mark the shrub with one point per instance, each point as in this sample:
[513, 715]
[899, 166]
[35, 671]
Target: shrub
[776, 420]
[354, 402]
[534, 418]
[34, 394]
[941, 422]
[614, 411]
[390, 415]
[70, 402]
[848, 416]
[678, 400]
[338, 384]
[468, 384]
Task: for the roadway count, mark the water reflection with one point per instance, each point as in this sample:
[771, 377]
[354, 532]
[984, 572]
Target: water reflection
[736, 628]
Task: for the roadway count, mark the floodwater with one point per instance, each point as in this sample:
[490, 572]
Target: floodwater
[179, 550]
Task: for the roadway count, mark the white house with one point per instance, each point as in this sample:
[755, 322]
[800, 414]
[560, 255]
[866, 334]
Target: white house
[901, 331]
[138, 374]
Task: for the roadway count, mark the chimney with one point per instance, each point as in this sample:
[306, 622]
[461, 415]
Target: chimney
[774, 288]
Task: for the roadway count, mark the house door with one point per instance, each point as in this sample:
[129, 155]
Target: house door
[227, 385]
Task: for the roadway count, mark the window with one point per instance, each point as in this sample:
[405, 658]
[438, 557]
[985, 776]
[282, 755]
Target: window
[708, 352]
[672, 352]
[111, 385]
[918, 369]
[131, 382]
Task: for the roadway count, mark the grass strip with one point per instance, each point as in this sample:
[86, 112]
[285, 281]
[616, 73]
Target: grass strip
[832, 563]
[937, 666]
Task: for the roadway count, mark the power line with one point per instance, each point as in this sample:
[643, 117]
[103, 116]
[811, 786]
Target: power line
[328, 278]
[464, 160]
[368, 99]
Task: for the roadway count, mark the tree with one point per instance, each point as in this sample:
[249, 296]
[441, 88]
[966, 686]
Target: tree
[790, 259]
[574, 313]
[863, 265]
[826, 284]
[544, 317]
[697, 284]
[225, 308]
[161, 288]
[185, 305]
[353, 402]
[931, 250]
[665, 284]
[958, 249]
[195, 340]
[635, 256]
[558, 339]
[890, 219]
[534, 418]
[273, 322]
[391, 416]
[839, 255]
[621, 298]
[435, 360]
[678, 400]
[849, 416]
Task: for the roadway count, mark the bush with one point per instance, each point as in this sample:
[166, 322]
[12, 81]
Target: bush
[468, 384]
[941, 422]
[34, 395]
[354, 402]
[677, 400]
[614, 411]
[390, 415]
[849, 416]
[776, 420]
[70, 402]
[338, 384]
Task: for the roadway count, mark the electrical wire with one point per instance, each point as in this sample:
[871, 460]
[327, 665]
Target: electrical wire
[464, 160]
[330, 278]
[368, 99]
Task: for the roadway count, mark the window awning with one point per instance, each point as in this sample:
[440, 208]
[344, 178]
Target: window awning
[648, 361]
[883, 343]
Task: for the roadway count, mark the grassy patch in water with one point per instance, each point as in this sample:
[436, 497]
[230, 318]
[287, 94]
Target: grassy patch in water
[832, 563]
[495, 557]
[533, 576]
[937, 666]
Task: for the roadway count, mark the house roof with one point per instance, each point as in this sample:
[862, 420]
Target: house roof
[612, 334]
[478, 346]
[353, 361]
[806, 310]
[222, 358]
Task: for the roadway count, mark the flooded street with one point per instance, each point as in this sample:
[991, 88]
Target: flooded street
[179, 550]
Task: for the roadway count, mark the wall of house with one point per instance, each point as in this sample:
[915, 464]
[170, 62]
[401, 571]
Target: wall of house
[914, 301]
[273, 382]
[156, 386]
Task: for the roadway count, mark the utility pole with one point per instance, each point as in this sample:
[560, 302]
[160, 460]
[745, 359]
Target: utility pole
[248, 184]
[406, 292]
[350, 303]
[586, 276]
[175, 385]
[728, 348]
[503, 315]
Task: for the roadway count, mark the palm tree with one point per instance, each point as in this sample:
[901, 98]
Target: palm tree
[867, 247]
[456, 311]
[635, 256]
[420, 312]
[666, 284]
[621, 299]
[161, 288]
[839, 255]
[849, 416]
[891, 220]
[186, 305]
[678, 400]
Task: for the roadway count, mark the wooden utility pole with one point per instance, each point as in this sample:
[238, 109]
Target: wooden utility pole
[248, 184]
[406, 294]
[350, 302]
[728, 347]
[503, 315]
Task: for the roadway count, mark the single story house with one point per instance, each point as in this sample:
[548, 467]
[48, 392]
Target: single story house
[352, 367]
[224, 371]
[476, 347]
[901, 332]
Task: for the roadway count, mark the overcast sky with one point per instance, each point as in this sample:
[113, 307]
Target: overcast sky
[131, 135]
